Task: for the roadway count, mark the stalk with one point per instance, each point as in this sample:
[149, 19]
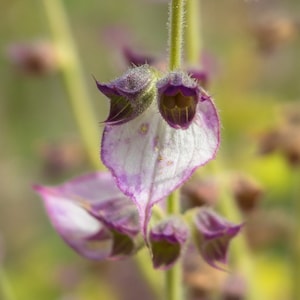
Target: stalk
[73, 79]
[176, 33]
[193, 32]
[173, 279]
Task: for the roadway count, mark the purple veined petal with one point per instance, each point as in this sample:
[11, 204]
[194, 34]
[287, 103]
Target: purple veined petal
[150, 159]
[122, 219]
[94, 188]
[84, 233]
[70, 207]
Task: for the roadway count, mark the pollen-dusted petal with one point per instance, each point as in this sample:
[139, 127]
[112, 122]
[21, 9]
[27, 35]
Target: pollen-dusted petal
[149, 159]
[213, 235]
[130, 95]
[167, 240]
[70, 207]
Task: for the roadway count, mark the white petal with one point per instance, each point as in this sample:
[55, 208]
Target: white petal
[150, 159]
[69, 219]
[92, 188]
[87, 235]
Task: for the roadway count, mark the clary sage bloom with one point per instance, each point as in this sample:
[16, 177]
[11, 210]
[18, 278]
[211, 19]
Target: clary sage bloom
[158, 132]
[93, 216]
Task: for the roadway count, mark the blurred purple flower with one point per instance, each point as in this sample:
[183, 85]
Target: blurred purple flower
[37, 58]
[213, 235]
[154, 150]
[167, 240]
[93, 216]
[201, 76]
[135, 58]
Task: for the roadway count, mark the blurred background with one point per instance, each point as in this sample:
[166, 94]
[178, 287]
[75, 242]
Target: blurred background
[252, 57]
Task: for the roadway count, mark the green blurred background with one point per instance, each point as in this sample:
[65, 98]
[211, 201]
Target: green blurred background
[250, 84]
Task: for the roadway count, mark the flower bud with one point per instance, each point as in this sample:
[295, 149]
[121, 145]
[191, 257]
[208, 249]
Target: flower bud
[178, 96]
[202, 77]
[247, 192]
[136, 59]
[271, 33]
[199, 192]
[213, 235]
[167, 239]
[130, 95]
[35, 58]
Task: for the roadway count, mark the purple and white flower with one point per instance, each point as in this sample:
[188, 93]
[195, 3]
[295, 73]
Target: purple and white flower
[93, 216]
[153, 152]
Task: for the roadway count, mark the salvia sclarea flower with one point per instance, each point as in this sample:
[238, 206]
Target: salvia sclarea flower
[213, 234]
[93, 216]
[160, 129]
[100, 223]
[201, 75]
[168, 239]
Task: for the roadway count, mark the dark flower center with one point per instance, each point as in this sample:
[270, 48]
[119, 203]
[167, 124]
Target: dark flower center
[178, 110]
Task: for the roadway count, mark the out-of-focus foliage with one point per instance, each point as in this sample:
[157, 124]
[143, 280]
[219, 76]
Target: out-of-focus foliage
[250, 87]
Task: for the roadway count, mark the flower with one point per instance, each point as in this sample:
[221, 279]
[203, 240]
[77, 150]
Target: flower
[130, 95]
[134, 58]
[213, 235]
[152, 151]
[167, 239]
[201, 76]
[93, 216]
[34, 58]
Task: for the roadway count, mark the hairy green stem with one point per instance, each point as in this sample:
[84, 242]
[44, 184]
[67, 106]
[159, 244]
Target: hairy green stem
[173, 278]
[176, 33]
[74, 82]
[193, 32]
